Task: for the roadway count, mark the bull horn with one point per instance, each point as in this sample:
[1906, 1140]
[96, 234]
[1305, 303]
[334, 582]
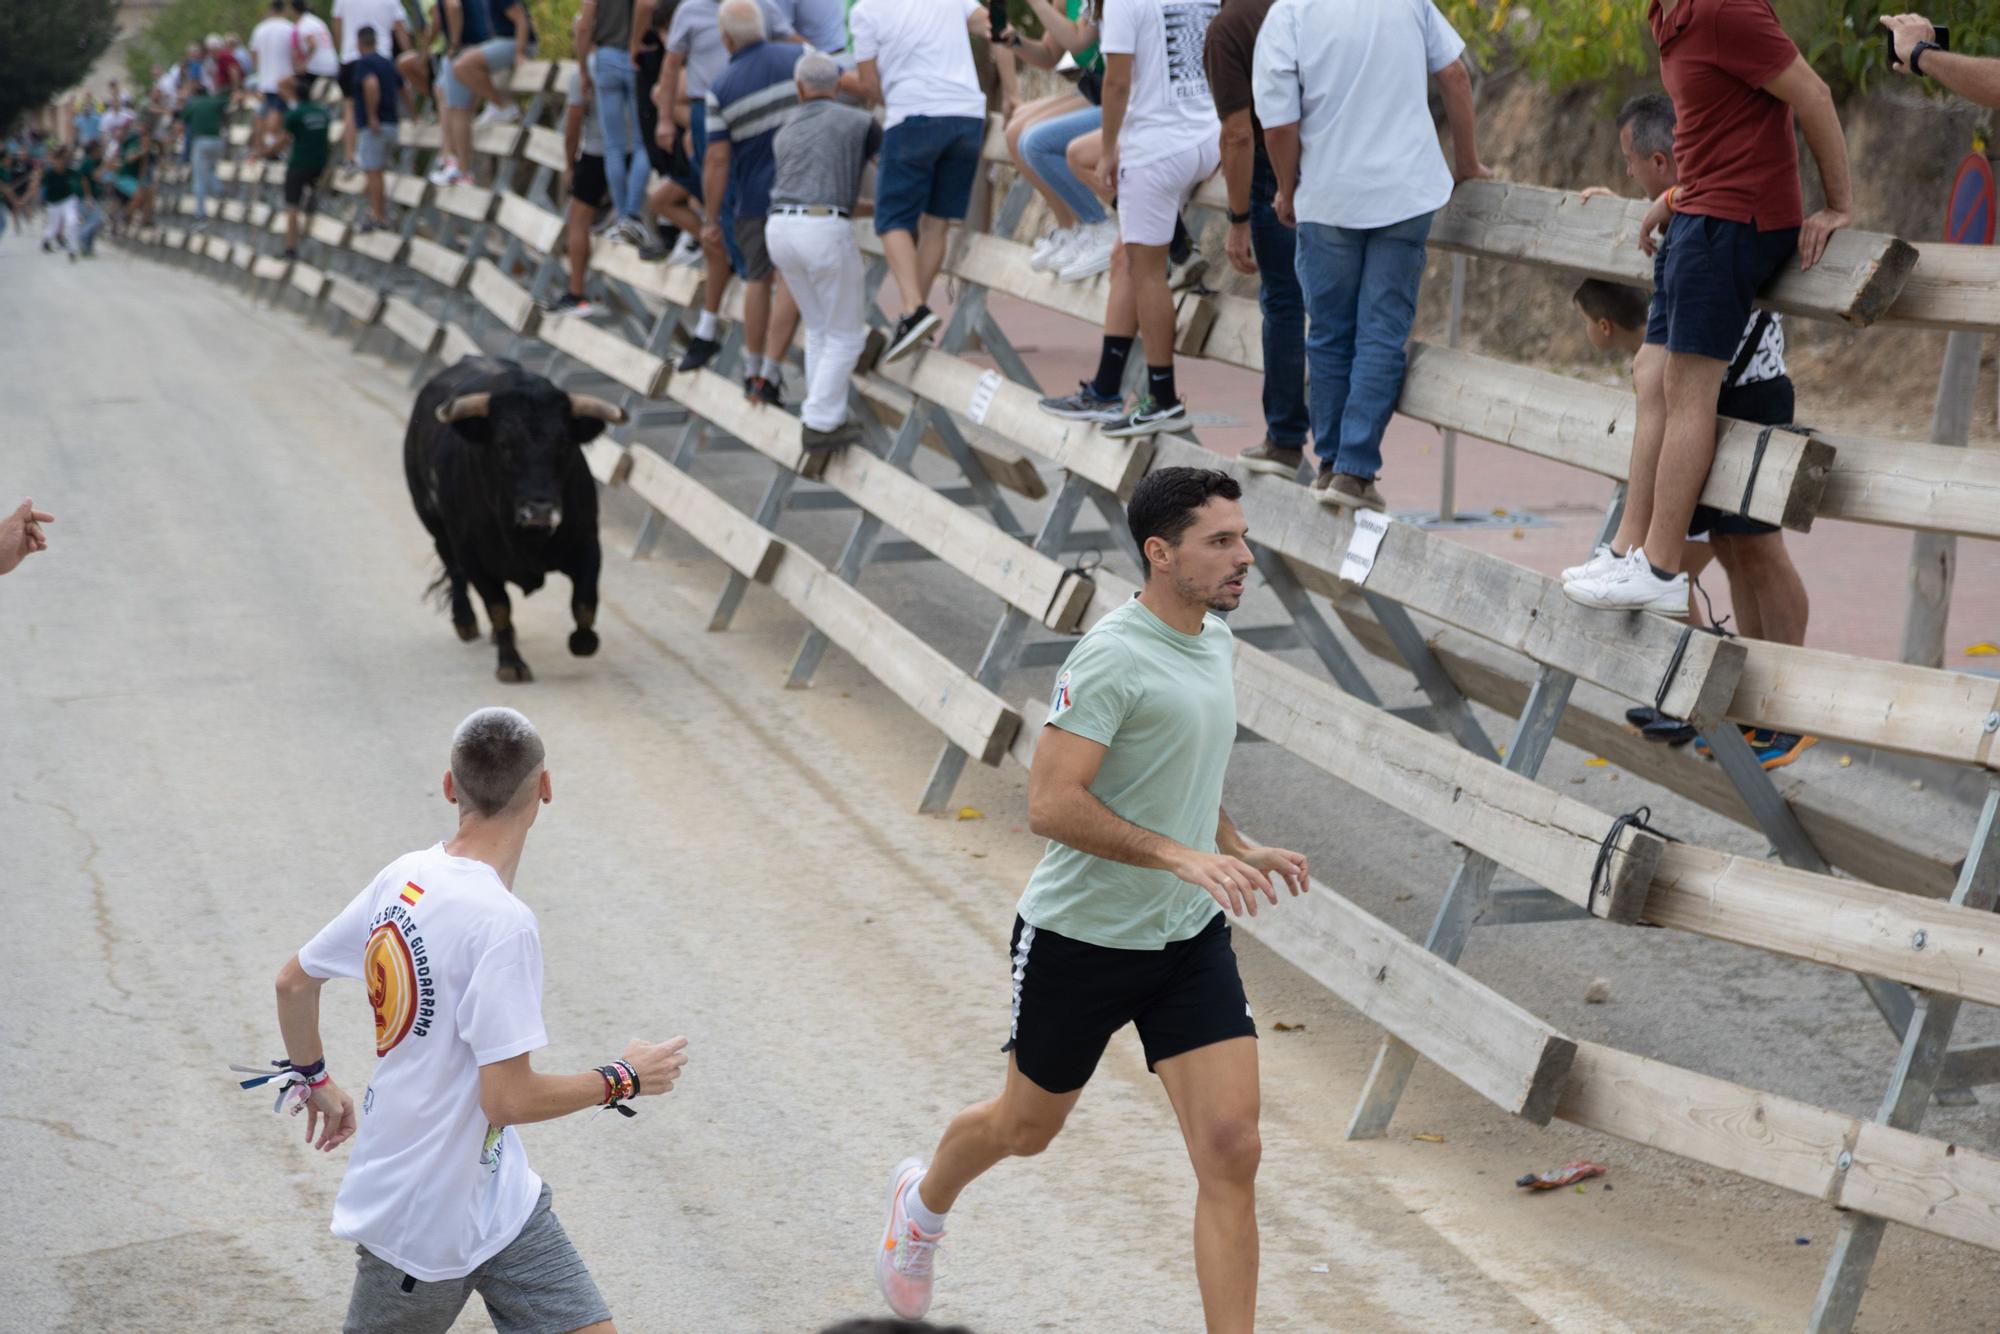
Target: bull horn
[583, 405]
[465, 405]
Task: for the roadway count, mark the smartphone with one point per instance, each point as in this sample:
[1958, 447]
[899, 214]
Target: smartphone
[996, 18]
[1942, 41]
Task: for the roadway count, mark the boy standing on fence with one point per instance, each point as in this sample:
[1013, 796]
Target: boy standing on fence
[589, 194]
[306, 126]
[820, 153]
[1122, 920]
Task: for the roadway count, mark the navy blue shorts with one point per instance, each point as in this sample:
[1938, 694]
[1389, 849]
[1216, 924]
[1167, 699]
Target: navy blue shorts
[928, 166]
[1706, 276]
[1070, 996]
[1764, 403]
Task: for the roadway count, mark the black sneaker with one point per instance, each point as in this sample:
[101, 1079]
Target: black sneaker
[871, 351]
[751, 385]
[1149, 418]
[769, 389]
[1084, 405]
[1642, 714]
[1669, 731]
[700, 351]
[569, 303]
[288, 253]
[652, 250]
[910, 330]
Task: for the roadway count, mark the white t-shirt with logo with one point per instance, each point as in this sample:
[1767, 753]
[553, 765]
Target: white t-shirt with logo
[922, 51]
[271, 43]
[1170, 107]
[312, 29]
[381, 15]
[453, 966]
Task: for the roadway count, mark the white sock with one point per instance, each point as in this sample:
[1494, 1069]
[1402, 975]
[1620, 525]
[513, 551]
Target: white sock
[913, 1205]
[704, 325]
[774, 368]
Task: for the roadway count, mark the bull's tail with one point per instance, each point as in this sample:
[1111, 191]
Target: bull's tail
[438, 591]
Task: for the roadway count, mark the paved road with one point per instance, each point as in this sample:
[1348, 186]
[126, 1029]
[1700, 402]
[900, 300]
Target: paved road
[224, 704]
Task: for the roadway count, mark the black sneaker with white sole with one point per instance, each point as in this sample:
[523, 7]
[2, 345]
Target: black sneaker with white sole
[912, 329]
[571, 304]
[1149, 418]
[1085, 405]
[700, 351]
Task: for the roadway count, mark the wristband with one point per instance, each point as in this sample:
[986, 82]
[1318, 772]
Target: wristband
[1237, 219]
[1917, 56]
[309, 1072]
[631, 1075]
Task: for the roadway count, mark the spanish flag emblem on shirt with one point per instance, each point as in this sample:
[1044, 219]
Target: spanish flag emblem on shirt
[412, 891]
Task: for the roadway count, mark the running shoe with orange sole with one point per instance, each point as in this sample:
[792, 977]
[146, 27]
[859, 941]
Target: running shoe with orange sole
[905, 1260]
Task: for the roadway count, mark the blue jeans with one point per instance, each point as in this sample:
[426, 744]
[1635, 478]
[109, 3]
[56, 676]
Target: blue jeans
[1361, 294]
[625, 161]
[698, 153]
[1275, 247]
[207, 152]
[1042, 148]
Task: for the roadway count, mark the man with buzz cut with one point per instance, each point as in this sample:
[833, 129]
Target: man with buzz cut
[438, 1195]
[1122, 919]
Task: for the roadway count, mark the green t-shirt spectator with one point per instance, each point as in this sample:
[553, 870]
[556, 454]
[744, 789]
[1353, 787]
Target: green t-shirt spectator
[307, 124]
[203, 115]
[86, 177]
[58, 184]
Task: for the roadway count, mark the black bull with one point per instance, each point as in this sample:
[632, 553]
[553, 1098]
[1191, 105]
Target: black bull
[494, 457]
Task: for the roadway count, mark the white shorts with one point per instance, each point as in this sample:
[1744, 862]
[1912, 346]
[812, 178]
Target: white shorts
[1150, 195]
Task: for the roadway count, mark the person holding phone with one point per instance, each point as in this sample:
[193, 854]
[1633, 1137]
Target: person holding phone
[1919, 47]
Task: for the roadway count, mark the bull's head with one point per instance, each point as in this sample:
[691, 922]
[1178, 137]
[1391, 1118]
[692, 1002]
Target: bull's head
[534, 437]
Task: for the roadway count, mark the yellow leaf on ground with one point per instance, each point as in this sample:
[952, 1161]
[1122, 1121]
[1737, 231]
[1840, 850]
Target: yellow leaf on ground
[1596, 762]
[971, 813]
[1429, 1139]
[1983, 650]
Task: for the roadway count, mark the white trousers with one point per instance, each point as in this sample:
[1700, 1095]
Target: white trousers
[822, 267]
[63, 223]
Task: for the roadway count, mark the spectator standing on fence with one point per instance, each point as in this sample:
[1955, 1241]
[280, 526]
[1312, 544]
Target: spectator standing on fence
[426, 48]
[224, 67]
[1738, 218]
[610, 51]
[467, 24]
[1039, 134]
[588, 192]
[666, 160]
[1343, 94]
[512, 42]
[271, 45]
[819, 154]
[388, 20]
[915, 58]
[21, 534]
[1259, 241]
[1122, 921]
[306, 126]
[1160, 143]
[313, 49]
[203, 115]
[378, 88]
[746, 104]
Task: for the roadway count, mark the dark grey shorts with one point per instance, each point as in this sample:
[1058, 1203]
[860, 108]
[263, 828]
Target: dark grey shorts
[537, 1284]
[756, 257]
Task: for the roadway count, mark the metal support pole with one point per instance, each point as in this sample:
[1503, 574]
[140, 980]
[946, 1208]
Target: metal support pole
[1934, 556]
[766, 514]
[1448, 480]
[1298, 604]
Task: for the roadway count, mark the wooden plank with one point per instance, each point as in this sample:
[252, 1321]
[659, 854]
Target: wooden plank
[746, 547]
[218, 249]
[770, 431]
[663, 281]
[610, 462]
[1905, 484]
[328, 231]
[1856, 280]
[363, 303]
[545, 148]
[603, 350]
[174, 238]
[309, 280]
[441, 265]
[1078, 447]
[261, 215]
[1473, 1033]
[1947, 1189]
[420, 135]
[411, 324]
[384, 247]
[1002, 266]
[499, 140]
[232, 210]
[1625, 652]
[242, 256]
[457, 344]
[407, 191]
[463, 201]
[530, 77]
[1952, 287]
[1893, 705]
[1551, 839]
[1848, 834]
[533, 226]
[507, 300]
[1002, 461]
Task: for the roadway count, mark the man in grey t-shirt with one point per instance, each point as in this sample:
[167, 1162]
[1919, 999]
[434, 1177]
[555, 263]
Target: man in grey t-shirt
[821, 151]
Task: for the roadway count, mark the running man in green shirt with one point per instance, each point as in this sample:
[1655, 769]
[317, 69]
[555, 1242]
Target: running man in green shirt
[306, 128]
[1122, 921]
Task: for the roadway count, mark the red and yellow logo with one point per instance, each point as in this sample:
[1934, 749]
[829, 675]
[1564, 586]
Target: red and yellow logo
[392, 985]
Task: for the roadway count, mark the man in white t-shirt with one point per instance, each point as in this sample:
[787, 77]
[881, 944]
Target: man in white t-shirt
[313, 49]
[438, 1195]
[915, 58]
[1161, 140]
[271, 50]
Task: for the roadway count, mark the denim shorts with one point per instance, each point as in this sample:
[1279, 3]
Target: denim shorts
[499, 53]
[372, 147]
[928, 166]
[1706, 276]
[455, 94]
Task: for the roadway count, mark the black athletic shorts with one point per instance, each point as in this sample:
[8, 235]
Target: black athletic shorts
[587, 185]
[302, 188]
[1070, 997]
[1767, 403]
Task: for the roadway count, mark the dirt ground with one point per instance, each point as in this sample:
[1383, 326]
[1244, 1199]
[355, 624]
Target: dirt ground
[225, 704]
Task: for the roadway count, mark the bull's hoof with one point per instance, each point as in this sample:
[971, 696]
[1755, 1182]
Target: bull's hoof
[467, 630]
[583, 643]
[513, 673]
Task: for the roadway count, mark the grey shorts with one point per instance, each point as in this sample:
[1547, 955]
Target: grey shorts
[756, 255]
[372, 147]
[537, 1284]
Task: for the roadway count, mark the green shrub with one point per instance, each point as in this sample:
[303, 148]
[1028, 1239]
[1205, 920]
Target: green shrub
[162, 41]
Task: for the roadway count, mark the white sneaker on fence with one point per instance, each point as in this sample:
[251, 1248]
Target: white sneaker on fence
[1631, 585]
[1602, 557]
[687, 252]
[1049, 245]
[499, 113]
[1092, 255]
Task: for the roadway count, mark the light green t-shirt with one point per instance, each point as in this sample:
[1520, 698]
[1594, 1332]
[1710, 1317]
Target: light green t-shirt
[1163, 704]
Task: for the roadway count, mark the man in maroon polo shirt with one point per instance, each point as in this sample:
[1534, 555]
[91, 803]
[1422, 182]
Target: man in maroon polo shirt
[1731, 224]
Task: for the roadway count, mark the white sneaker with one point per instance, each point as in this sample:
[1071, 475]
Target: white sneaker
[1052, 244]
[906, 1258]
[1631, 585]
[1092, 255]
[1601, 556]
[687, 252]
[442, 171]
[499, 113]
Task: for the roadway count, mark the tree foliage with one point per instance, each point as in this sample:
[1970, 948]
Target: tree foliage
[46, 48]
[166, 37]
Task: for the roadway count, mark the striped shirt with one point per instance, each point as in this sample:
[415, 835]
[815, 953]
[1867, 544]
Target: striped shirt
[747, 104]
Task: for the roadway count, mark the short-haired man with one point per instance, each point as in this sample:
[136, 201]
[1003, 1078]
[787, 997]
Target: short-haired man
[746, 104]
[588, 192]
[611, 33]
[820, 152]
[388, 20]
[1361, 175]
[306, 126]
[203, 115]
[313, 50]
[21, 534]
[915, 58]
[378, 88]
[271, 47]
[1736, 80]
[1122, 920]
[438, 1196]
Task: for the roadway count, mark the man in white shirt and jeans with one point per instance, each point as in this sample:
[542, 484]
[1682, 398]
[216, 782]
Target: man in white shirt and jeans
[1342, 90]
[271, 44]
[438, 1195]
[1161, 141]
